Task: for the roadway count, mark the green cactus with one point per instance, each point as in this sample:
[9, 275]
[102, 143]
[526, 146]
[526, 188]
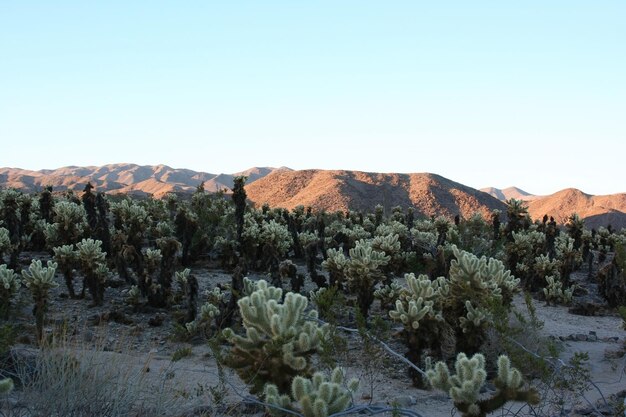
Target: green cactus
[67, 259]
[363, 272]
[9, 284]
[464, 387]
[475, 286]
[388, 294]
[6, 386]
[40, 280]
[555, 293]
[418, 308]
[93, 266]
[317, 396]
[279, 341]
[5, 243]
[70, 223]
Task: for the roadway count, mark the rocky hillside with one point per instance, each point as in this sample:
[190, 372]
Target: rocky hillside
[157, 180]
[597, 210]
[508, 193]
[430, 194]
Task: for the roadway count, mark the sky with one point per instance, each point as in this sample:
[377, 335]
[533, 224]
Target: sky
[486, 93]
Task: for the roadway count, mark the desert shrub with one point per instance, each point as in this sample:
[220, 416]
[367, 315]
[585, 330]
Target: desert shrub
[68, 381]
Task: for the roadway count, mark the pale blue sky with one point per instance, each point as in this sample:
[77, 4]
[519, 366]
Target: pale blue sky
[498, 93]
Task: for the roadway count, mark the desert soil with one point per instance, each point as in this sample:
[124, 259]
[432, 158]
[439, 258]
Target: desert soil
[384, 379]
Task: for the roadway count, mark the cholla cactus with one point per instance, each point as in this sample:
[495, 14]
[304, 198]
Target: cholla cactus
[418, 308]
[279, 341]
[313, 397]
[6, 386]
[131, 219]
[464, 387]
[70, 222]
[420, 299]
[363, 272]
[475, 285]
[276, 236]
[555, 293]
[570, 258]
[66, 258]
[306, 238]
[92, 264]
[5, 242]
[475, 319]
[388, 294]
[390, 245]
[9, 284]
[40, 280]
[335, 264]
[134, 296]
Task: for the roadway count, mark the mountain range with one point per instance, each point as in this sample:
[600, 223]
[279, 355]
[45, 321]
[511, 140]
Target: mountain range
[429, 194]
[157, 180]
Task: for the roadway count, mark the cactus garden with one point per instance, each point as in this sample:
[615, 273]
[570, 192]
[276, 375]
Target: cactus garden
[204, 305]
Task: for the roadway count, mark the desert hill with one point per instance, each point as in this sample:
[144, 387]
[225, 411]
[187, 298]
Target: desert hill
[597, 210]
[508, 193]
[430, 194]
[157, 180]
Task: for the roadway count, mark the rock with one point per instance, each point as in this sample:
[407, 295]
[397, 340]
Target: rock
[593, 337]
[404, 401]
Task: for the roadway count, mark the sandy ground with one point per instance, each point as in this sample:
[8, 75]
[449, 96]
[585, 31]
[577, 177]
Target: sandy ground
[384, 380]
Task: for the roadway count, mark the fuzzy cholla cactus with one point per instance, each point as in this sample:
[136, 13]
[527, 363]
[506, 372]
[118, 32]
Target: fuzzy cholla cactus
[279, 341]
[9, 284]
[418, 308]
[208, 311]
[464, 387]
[40, 280]
[93, 266]
[276, 236]
[306, 238]
[6, 386]
[69, 223]
[313, 397]
[475, 284]
[363, 272]
[5, 242]
[67, 260]
[487, 275]
[419, 300]
[388, 294]
[555, 293]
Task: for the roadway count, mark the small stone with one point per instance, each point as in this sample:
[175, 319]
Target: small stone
[581, 337]
[404, 401]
